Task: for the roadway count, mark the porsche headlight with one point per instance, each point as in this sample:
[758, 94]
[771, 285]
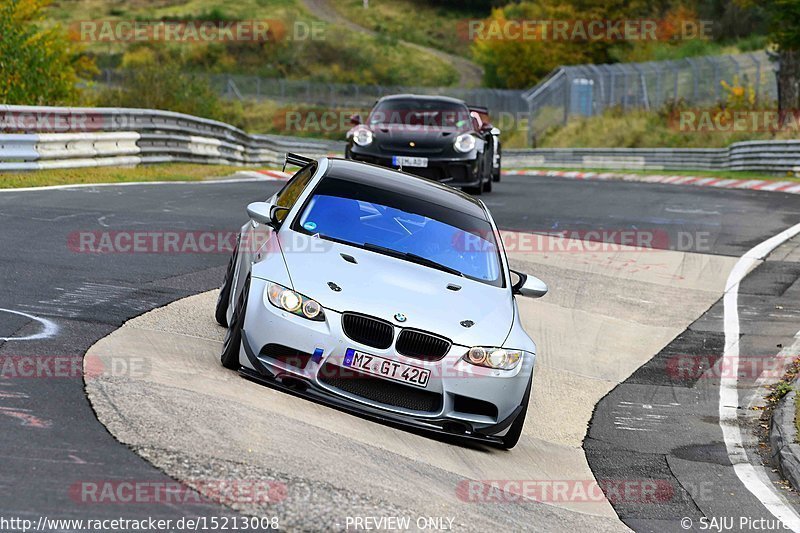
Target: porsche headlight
[293, 302]
[464, 143]
[362, 136]
[498, 358]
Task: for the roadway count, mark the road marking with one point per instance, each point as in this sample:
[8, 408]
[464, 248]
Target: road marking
[49, 328]
[729, 391]
[135, 183]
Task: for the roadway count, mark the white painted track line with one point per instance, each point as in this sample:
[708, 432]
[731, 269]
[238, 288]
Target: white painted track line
[729, 392]
[49, 328]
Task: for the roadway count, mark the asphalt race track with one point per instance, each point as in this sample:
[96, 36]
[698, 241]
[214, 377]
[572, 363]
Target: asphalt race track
[615, 332]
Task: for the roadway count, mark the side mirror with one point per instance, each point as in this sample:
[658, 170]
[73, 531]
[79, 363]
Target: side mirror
[355, 119]
[495, 131]
[267, 213]
[529, 286]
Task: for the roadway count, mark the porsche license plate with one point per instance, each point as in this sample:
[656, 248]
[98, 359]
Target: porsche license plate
[386, 368]
[403, 161]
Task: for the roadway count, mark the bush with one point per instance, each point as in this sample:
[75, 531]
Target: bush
[156, 80]
[38, 66]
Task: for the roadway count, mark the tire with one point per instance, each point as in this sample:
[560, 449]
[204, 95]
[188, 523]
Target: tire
[475, 191]
[496, 172]
[233, 337]
[478, 189]
[511, 438]
[221, 310]
[487, 186]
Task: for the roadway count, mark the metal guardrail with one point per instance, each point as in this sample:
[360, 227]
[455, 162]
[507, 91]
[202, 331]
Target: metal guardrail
[764, 156]
[63, 137]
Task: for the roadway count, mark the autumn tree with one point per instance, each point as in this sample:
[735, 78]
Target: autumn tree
[38, 65]
[514, 60]
[783, 17]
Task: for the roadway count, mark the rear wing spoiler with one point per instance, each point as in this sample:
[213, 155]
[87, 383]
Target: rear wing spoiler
[296, 160]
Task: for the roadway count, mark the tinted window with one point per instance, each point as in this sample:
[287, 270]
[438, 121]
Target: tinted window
[411, 112]
[402, 226]
[287, 197]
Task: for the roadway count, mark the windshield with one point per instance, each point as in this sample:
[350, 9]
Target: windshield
[404, 227]
[410, 112]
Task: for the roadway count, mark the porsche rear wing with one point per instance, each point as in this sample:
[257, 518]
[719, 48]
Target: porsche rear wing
[296, 160]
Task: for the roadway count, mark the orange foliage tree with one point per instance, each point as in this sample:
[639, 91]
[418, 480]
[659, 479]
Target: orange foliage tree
[38, 65]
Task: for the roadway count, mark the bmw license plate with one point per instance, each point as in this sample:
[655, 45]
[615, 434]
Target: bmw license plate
[386, 368]
[403, 161]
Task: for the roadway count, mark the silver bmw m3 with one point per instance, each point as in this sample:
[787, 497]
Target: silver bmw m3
[385, 295]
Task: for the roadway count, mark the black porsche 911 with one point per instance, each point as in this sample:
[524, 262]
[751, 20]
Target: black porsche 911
[435, 137]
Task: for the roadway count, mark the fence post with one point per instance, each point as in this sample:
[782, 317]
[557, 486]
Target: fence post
[695, 81]
[567, 95]
[758, 73]
[677, 77]
[660, 88]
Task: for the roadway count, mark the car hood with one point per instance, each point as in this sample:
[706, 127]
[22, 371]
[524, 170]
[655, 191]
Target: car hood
[382, 286]
[423, 136]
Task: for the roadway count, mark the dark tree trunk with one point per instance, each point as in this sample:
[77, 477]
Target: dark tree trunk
[789, 80]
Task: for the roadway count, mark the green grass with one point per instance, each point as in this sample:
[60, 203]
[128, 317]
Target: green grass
[667, 51]
[721, 174]
[415, 21]
[797, 417]
[340, 56]
[74, 176]
[642, 129]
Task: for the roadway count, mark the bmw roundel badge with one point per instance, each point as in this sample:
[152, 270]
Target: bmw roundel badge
[400, 317]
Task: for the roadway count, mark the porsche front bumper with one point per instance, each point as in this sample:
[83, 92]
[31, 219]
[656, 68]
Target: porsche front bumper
[457, 172]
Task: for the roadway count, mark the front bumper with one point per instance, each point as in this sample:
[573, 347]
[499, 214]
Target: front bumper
[454, 172]
[462, 392]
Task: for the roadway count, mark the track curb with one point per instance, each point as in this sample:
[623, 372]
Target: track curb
[791, 187]
[783, 439]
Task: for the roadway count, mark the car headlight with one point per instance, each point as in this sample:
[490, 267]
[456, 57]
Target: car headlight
[295, 303]
[362, 136]
[464, 143]
[498, 358]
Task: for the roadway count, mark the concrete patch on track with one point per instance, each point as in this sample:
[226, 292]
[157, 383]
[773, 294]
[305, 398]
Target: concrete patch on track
[605, 316]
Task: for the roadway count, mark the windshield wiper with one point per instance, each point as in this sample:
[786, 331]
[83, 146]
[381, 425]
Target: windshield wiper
[414, 258]
[334, 239]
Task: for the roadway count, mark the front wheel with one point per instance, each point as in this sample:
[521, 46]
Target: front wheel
[487, 186]
[496, 171]
[479, 188]
[233, 337]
